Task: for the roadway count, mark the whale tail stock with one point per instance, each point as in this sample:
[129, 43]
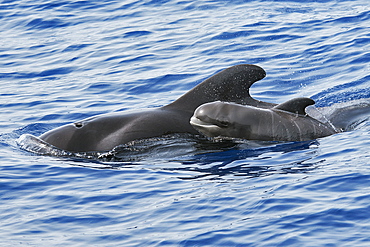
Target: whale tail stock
[229, 85]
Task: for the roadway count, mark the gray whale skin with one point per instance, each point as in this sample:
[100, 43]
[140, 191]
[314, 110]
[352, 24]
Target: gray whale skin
[285, 122]
[104, 132]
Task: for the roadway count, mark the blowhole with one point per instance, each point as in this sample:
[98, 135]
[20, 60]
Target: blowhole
[78, 125]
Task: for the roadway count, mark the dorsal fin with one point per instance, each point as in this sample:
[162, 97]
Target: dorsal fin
[229, 85]
[296, 105]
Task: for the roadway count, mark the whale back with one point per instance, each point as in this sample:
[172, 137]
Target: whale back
[229, 85]
[104, 132]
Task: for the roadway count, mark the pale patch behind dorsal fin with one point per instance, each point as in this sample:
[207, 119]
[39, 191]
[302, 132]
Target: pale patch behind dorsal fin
[296, 105]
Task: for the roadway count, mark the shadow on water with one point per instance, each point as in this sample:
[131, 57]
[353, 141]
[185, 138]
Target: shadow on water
[201, 158]
[193, 157]
[251, 159]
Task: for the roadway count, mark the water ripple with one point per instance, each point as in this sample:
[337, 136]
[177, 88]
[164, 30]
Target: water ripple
[62, 61]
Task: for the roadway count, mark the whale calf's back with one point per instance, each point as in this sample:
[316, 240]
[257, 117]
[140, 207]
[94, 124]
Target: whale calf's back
[284, 122]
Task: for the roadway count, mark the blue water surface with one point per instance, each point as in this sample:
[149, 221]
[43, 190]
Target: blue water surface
[62, 61]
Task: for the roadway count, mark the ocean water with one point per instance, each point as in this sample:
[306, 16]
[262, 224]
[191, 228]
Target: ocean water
[62, 61]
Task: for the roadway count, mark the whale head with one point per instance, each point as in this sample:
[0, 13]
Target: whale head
[216, 119]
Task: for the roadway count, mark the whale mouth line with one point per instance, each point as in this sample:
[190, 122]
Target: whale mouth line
[207, 127]
[198, 122]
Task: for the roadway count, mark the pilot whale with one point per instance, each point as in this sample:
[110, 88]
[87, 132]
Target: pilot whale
[104, 132]
[284, 122]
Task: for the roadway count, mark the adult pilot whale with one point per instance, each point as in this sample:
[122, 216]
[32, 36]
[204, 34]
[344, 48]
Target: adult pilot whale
[104, 132]
[284, 122]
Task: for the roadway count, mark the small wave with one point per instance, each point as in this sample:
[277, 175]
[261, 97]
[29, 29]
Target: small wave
[39, 23]
[135, 34]
[35, 145]
[48, 73]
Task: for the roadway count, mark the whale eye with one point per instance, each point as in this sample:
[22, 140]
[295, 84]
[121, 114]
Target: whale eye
[78, 125]
[223, 124]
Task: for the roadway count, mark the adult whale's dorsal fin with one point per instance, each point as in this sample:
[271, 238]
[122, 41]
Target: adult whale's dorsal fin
[229, 85]
[296, 105]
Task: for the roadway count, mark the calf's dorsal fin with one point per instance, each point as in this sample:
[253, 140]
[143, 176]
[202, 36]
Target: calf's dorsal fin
[296, 105]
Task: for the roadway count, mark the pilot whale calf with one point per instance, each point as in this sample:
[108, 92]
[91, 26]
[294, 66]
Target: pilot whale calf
[104, 132]
[285, 122]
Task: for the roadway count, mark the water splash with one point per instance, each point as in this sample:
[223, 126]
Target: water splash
[35, 145]
[322, 117]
